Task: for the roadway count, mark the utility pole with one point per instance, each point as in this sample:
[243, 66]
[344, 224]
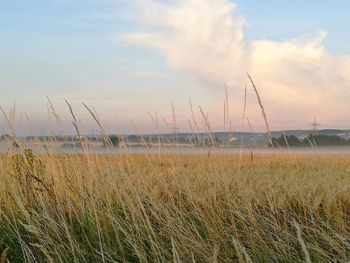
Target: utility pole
[314, 124]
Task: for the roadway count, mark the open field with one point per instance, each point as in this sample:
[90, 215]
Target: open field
[174, 208]
[183, 131]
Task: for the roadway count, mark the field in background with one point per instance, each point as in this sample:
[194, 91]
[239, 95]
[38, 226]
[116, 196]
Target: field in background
[174, 208]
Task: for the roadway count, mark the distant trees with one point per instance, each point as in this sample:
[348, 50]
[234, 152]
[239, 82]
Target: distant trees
[327, 140]
[5, 137]
[290, 140]
[112, 140]
[318, 139]
[204, 140]
[12, 139]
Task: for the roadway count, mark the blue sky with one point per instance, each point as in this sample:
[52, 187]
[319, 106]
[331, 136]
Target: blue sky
[279, 20]
[72, 50]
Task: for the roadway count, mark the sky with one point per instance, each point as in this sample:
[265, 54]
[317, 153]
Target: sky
[133, 61]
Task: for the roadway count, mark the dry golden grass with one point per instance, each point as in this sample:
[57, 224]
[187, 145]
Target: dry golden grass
[179, 208]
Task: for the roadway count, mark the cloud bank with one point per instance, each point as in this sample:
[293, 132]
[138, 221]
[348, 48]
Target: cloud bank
[206, 39]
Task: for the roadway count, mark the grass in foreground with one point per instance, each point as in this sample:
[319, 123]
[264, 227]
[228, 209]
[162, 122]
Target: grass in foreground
[174, 208]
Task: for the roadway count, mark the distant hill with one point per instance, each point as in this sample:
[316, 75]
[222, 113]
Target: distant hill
[237, 138]
[246, 139]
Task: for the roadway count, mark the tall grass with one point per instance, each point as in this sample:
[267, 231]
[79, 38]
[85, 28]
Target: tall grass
[163, 207]
[134, 208]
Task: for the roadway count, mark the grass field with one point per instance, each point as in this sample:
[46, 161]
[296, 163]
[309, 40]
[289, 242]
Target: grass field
[174, 208]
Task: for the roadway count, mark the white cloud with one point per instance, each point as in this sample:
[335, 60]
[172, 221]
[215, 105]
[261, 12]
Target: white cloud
[197, 36]
[205, 38]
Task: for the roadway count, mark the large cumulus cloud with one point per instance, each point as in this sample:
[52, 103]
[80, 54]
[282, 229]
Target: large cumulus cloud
[205, 38]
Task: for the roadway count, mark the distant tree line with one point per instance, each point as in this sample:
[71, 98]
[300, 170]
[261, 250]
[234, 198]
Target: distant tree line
[112, 140]
[313, 139]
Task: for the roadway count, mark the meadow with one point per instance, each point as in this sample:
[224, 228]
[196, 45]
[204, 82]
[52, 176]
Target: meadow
[174, 208]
